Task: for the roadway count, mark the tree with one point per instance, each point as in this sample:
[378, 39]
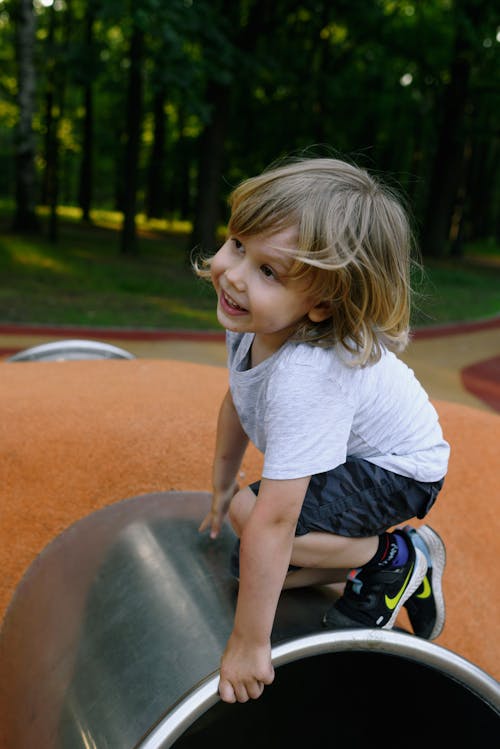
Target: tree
[155, 25]
[172, 76]
[133, 139]
[156, 174]
[449, 162]
[228, 43]
[87, 158]
[25, 218]
[171, 104]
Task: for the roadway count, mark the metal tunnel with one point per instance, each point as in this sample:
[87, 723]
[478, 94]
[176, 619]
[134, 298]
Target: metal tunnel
[113, 638]
[70, 350]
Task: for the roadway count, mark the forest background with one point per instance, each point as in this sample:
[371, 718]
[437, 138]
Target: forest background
[124, 126]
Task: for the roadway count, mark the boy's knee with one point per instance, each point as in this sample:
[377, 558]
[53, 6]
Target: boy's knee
[240, 508]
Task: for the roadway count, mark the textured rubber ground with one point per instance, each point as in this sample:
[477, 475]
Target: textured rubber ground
[77, 436]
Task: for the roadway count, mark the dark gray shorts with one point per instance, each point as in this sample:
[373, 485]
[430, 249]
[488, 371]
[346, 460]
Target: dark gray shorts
[361, 499]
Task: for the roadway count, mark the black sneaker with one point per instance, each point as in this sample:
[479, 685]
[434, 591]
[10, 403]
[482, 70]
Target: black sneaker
[426, 609]
[373, 596]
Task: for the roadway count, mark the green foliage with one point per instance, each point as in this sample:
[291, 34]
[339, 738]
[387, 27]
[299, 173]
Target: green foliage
[364, 80]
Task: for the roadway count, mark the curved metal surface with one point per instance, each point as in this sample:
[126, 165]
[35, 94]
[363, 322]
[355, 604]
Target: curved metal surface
[113, 637]
[70, 350]
[425, 655]
[482, 689]
[117, 619]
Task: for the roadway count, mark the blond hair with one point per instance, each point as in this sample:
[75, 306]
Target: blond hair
[354, 246]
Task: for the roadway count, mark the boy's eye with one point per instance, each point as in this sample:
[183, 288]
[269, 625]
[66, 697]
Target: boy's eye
[237, 243]
[267, 271]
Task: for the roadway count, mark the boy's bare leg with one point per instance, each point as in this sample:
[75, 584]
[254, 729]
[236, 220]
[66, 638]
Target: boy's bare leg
[325, 557]
[329, 551]
[306, 576]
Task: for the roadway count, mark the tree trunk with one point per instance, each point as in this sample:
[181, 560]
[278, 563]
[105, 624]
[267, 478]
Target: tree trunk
[156, 188]
[59, 90]
[132, 145]
[87, 162]
[484, 187]
[210, 170]
[447, 163]
[179, 189]
[46, 187]
[25, 218]
[449, 157]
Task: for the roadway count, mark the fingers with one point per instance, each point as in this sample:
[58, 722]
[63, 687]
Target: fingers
[214, 530]
[205, 522]
[255, 690]
[240, 692]
[243, 688]
[211, 520]
[226, 691]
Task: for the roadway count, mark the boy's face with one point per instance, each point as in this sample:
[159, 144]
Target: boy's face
[255, 291]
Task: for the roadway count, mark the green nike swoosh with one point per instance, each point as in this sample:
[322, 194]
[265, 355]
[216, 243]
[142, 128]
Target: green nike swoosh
[391, 603]
[426, 592]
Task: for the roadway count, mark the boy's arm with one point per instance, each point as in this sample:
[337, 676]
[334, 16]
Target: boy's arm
[266, 546]
[230, 445]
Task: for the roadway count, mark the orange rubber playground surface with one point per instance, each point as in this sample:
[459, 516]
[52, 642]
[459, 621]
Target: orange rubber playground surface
[76, 436]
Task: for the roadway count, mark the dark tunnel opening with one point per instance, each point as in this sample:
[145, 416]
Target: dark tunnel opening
[353, 699]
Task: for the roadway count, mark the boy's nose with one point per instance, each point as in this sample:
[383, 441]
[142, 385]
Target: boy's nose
[235, 277]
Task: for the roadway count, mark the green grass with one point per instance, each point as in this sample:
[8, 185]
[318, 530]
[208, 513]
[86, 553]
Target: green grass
[457, 291]
[84, 280]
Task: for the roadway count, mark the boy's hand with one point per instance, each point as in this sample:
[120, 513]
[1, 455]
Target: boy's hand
[245, 670]
[220, 505]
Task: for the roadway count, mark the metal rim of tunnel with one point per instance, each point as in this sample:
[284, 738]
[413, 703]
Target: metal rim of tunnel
[388, 642]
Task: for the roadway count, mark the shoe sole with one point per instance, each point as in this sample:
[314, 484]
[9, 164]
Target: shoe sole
[418, 575]
[438, 554]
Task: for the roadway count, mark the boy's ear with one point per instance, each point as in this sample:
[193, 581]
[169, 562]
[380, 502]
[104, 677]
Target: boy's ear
[320, 312]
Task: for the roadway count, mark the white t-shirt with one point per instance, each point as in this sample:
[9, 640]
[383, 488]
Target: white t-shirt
[307, 410]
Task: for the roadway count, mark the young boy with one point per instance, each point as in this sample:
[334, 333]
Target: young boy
[313, 290]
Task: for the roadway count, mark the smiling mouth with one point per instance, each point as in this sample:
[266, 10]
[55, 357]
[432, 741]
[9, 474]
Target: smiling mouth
[231, 303]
